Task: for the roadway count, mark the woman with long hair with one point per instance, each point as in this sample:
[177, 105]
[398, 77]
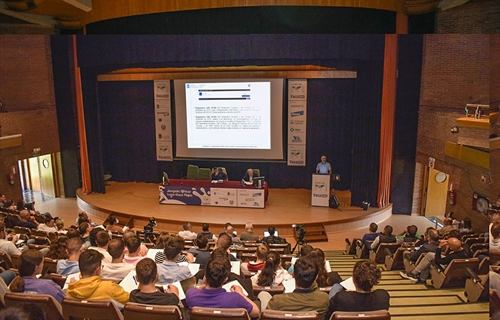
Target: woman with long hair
[57, 249]
[325, 278]
[31, 264]
[273, 273]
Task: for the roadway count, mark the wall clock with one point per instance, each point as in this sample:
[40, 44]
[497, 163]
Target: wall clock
[440, 177]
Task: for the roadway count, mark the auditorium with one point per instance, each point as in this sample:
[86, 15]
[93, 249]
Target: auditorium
[129, 110]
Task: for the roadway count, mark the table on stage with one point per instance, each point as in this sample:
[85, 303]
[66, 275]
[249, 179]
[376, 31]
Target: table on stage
[206, 193]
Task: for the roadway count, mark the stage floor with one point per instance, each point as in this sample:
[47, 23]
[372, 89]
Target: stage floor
[284, 207]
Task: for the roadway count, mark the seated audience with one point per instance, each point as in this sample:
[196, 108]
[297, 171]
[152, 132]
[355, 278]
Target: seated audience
[102, 241]
[272, 239]
[466, 226]
[23, 311]
[305, 297]
[409, 235]
[273, 273]
[91, 286]
[201, 253]
[325, 278]
[60, 226]
[304, 251]
[113, 224]
[365, 275]
[372, 233]
[258, 264]
[187, 233]
[29, 266]
[224, 242]
[147, 292]
[7, 242]
[447, 227]
[117, 269]
[248, 234]
[48, 225]
[27, 220]
[160, 255]
[494, 237]
[143, 251]
[85, 229]
[133, 245]
[73, 233]
[169, 270]
[70, 265]
[212, 295]
[384, 237]
[58, 248]
[421, 271]
[430, 245]
[229, 230]
[205, 229]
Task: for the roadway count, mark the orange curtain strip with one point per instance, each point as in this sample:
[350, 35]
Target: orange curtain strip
[387, 120]
[84, 158]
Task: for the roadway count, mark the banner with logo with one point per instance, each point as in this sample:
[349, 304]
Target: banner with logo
[163, 120]
[297, 121]
[185, 195]
[223, 197]
[251, 198]
[320, 190]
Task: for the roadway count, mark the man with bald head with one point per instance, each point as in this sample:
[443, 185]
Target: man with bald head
[421, 271]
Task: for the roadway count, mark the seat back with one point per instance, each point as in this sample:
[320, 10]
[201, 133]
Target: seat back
[22, 230]
[370, 315]
[4, 256]
[455, 273]
[39, 233]
[204, 174]
[51, 263]
[395, 261]
[74, 309]
[151, 312]
[274, 314]
[199, 313]
[380, 254]
[256, 172]
[59, 279]
[46, 302]
[192, 172]
[271, 289]
[41, 240]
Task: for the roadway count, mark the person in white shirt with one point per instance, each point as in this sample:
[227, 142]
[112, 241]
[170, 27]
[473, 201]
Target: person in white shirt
[8, 245]
[49, 225]
[117, 269]
[187, 234]
[102, 241]
[133, 245]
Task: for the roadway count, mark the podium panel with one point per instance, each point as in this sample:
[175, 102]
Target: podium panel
[320, 190]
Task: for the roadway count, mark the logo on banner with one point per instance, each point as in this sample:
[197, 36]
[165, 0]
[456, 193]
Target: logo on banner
[320, 186]
[296, 139]
[295, 129]
[297, 113]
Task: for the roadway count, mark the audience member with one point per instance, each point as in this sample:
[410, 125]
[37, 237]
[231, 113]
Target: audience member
[27, 220]
[117, 269]
[259, 263]
[91, 286]
[73, 233]
[272, 239]
[371, 235]
[224, 242]
[7, 242]
[187, 233]
[102, 241]
[147, 292]
[84, 228]
[304, 251]
[113, 224]
[365, 275]
[409, 235]
[430, 245]
[325, 278]
[212, 295]
[70, 265]
[169, 270]
[305, 297]
[58, 248]
[60, 226]
[83, 217]
[133, 245]
[421, 271]
[143, 251]
[23, 311]
[248, 234]
[466, 226]
[205, 229]
[201, 252]
[273, 273]
[49, 225]
[494, 237]
[447, 227]
[160, 255]
[229, 230]
[29, 266]
[384, 237]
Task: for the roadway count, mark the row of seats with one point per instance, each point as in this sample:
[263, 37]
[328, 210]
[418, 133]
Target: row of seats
[106, 309]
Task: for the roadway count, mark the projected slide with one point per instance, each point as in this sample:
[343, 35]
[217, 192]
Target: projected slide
[228, 115]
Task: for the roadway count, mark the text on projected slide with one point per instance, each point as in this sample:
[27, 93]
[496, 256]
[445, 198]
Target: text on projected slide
[234, 115]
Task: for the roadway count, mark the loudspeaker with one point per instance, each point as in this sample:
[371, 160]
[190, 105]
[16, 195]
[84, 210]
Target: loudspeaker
[334, 202]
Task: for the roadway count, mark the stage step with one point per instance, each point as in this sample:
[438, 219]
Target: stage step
[314, 233]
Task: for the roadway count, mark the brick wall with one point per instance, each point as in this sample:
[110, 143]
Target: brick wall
[455, 71]
[27, 93]
[476, 16]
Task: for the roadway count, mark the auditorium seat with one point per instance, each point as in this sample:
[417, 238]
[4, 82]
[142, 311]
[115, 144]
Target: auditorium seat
[59, 279]
[4, 256]
[47, 303]
[133, 311]
[192, 172]
[272, 290]
[394, 261]
[199, 313]
[368, 315]
[74, 309]
[275, 314]
[455, 273]
[51, 264]
[476, 286]
[204, 174]
[379, 255]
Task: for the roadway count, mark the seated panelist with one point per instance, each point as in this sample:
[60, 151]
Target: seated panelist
[248, 177]
[218, 174]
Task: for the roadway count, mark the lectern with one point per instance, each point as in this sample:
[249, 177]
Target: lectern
[320, 190]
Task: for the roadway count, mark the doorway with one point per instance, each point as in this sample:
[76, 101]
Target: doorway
[37, 177]
[435, 193]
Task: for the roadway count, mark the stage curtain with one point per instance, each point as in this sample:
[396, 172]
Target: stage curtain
[387, 119]
[84, 159]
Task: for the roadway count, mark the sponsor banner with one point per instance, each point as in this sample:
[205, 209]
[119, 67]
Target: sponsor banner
[185, 195]
[251, 198]
[297, 121]
[163, 127]
[162, 89]
[297, 89]
[297, 155]
[320, 190]
[164, 150]
[223, 197]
